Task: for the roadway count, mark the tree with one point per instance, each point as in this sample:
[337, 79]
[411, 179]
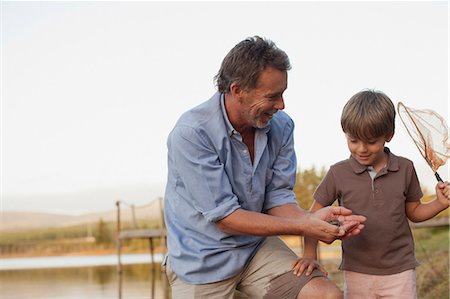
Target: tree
[306, 183]
[103, 234]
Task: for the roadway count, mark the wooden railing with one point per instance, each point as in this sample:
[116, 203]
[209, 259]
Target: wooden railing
[433, 222]
[138, 233]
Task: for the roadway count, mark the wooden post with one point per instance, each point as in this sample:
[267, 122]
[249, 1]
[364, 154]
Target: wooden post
[118, 247]
[133, 213]
[150, 240]
[161, 226]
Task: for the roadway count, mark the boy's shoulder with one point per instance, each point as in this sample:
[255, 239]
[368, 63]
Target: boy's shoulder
[342, 165]
[350, 163]
[400, 160]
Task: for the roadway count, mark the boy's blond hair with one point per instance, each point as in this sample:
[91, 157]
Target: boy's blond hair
[367, 115]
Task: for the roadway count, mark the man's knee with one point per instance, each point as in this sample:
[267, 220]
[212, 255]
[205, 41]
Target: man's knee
[320, 287]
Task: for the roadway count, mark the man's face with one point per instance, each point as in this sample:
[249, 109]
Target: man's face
[261, 103]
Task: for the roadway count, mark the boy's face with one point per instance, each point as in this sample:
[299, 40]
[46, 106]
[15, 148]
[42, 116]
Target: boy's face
[368, 153]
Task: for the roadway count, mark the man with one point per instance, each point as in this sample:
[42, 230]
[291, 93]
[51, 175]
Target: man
[232, 169]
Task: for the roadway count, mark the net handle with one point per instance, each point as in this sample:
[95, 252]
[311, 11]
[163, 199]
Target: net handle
[438, 177]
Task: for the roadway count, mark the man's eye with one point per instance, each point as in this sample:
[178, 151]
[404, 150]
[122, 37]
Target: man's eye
[274, 97]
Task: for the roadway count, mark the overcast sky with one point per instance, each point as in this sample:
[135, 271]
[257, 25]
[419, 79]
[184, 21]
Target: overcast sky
[90, 90]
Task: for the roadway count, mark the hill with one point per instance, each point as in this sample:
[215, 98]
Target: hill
[12, 220]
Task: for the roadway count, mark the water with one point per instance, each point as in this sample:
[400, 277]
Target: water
[91, 277]
[75, 261]
[139, 281]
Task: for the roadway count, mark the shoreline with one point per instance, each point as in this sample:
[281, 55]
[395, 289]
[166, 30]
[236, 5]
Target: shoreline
[52, 262]
[99, 252]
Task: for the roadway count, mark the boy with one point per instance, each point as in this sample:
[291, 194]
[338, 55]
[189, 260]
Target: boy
[373, 182]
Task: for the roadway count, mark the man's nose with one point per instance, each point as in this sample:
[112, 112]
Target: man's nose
[279, 105]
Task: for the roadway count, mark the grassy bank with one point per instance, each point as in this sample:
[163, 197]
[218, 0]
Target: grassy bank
[88, 239]
[432, 252]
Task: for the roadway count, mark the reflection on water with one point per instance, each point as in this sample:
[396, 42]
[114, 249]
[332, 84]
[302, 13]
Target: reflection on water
[75, 261]
[139, 281]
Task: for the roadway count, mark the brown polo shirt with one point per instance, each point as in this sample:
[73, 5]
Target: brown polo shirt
[385, 246]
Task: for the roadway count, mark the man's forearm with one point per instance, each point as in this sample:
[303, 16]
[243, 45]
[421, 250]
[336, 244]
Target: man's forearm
[287, 210]
[259, 224]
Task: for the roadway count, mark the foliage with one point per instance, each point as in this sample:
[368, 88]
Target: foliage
[89, 237]
[432, 252]
[103, 234]
[306, 183]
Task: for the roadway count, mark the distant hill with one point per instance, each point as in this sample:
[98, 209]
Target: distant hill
[11, 220]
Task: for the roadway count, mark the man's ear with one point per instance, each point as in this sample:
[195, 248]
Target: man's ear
[235, 90]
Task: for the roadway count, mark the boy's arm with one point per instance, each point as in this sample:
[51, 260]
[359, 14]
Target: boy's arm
[310, 250]
[309, 260]
[418, 211]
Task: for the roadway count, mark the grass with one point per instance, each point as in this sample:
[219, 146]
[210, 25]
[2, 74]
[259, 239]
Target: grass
[432, 252]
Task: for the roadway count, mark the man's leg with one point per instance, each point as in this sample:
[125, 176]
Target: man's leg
[320, 287]
[269, 275]
[181, 290]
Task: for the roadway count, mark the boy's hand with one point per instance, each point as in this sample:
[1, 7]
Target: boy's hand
[308, 264]
[443, 193]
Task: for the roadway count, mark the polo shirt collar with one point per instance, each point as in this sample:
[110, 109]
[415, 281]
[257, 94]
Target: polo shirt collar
[392, 163]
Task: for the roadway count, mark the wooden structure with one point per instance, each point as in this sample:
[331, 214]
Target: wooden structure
[433, 222]
[138, 233]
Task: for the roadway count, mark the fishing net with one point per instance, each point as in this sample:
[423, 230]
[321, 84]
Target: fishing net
[429, 131]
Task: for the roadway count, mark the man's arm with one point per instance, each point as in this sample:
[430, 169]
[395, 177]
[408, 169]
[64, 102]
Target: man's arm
[289, 219]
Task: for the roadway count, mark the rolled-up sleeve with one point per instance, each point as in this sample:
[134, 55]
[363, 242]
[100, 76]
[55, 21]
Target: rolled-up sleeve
[201, 174]
[279, 191]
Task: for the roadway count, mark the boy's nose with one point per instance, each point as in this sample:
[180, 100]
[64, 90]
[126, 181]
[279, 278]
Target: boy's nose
[362, 147]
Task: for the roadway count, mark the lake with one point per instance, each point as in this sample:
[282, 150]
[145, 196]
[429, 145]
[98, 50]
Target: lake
[92, 277]
[62, 279]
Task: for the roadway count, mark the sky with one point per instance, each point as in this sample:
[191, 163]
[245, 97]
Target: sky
[90, 90]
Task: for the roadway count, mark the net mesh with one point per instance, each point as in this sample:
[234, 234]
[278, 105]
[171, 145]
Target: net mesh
[429, 131]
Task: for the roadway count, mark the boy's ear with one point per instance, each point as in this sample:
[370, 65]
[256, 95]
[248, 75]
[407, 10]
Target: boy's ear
[389, 137]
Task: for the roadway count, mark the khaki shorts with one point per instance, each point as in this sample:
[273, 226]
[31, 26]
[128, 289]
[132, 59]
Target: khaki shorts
[268, 275]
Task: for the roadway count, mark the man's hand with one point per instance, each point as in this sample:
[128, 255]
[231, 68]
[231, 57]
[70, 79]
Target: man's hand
[349, 225]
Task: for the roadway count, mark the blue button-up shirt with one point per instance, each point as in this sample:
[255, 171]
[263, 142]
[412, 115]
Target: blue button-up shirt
[210, 175]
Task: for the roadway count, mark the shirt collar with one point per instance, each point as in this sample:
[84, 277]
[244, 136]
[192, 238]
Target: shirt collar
[230, 129]
[392, 163]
